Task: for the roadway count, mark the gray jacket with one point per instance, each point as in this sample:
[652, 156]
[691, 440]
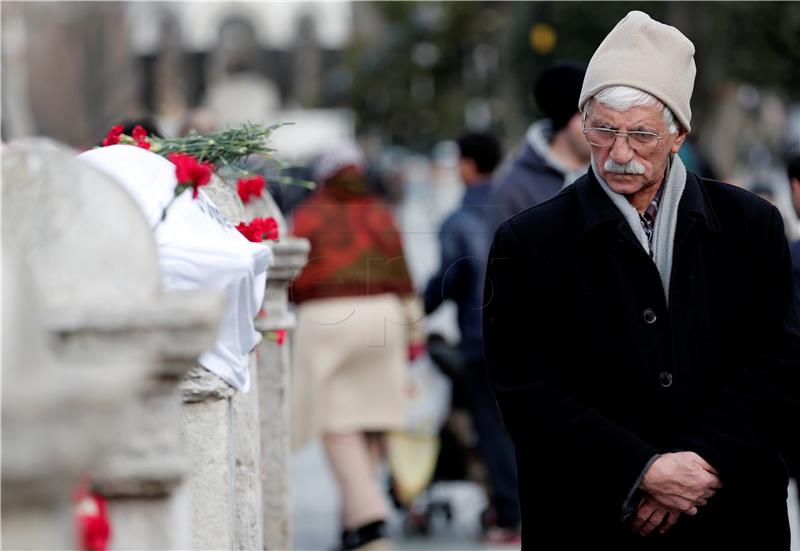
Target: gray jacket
[533, 177]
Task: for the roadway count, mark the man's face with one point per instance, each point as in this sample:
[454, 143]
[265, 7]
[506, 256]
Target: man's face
[467, 170]
[617, 161]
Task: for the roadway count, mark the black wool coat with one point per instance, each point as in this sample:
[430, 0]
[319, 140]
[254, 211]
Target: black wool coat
[595, 373]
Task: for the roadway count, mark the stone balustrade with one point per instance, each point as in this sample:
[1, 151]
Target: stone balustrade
[92, 261]
[106, 383]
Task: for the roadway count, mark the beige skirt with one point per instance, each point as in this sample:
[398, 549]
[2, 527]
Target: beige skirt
[349, 366]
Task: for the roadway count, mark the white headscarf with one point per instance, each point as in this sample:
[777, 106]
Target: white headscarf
[336, 158]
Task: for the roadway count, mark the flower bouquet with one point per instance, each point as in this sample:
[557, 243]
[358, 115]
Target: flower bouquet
[197, 156]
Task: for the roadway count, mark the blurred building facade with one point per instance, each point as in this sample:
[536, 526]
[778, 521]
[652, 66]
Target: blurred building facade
[74, 68]
[66, 72]
[407, 74]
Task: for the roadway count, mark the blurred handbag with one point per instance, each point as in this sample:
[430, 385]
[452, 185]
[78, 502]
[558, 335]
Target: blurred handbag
[413, 452]
[429, 397]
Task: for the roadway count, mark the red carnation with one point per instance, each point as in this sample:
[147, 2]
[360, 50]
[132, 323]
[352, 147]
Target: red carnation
[247, 187]
[259, 229]
[112, 138]
[91, 519]
[140, 136]
[244, 229]
[190, 172]
[278, 335]
[139, 133]
[265, 228]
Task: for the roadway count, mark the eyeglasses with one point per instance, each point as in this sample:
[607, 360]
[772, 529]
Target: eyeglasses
[605, 137]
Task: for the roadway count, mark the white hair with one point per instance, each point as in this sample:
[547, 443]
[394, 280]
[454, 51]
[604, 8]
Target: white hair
[622, 98]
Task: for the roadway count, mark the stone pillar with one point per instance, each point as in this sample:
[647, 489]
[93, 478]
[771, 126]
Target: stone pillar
[274, 378]
[307, 63]
[274, 373]
[208, 432]
[142, 477]
[58, 417]
[248, 522]
[106, 314]
[222, 429]
[15, 93]
[84, 47]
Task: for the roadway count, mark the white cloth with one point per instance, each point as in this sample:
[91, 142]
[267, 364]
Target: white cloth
[198, 250]
[666, 218]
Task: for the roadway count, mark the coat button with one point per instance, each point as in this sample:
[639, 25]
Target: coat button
[665, 379]
[649, 315]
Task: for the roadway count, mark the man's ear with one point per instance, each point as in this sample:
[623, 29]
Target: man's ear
[679, 139]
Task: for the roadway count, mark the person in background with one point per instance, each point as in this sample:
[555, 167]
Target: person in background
[764, 191]
[793, 172]
[358, 318]
[767, 192]
[200, 120]
[695, 160]
[554, 152]
[464, 239]
[641, 333]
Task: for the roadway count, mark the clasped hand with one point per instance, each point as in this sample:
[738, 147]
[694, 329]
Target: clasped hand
[675, 484]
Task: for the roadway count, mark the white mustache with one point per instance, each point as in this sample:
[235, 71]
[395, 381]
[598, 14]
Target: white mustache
[631, 167]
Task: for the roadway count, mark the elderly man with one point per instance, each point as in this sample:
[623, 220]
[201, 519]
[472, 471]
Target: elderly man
[640, 332]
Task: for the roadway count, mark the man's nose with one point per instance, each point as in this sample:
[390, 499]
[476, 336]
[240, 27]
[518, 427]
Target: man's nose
[621, 151]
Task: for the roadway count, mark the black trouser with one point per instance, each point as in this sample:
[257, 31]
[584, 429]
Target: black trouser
[494, 444]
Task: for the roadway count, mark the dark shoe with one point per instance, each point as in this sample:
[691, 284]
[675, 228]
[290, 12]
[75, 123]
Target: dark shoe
[366, 536]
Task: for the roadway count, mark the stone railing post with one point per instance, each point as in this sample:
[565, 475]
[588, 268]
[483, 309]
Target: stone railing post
[222, 429]
[208, 434]
[58, 418]
[143, 479]
[274, 374]
[275, 393]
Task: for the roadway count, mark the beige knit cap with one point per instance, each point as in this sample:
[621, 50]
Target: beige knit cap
[645, 54]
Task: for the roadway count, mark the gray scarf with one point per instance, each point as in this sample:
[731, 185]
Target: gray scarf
[666, 219]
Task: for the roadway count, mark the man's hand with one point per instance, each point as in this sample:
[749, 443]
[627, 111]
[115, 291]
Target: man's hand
[682, 481]
[652, 515]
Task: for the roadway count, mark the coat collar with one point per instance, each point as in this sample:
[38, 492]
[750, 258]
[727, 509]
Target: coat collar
[597, 209]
